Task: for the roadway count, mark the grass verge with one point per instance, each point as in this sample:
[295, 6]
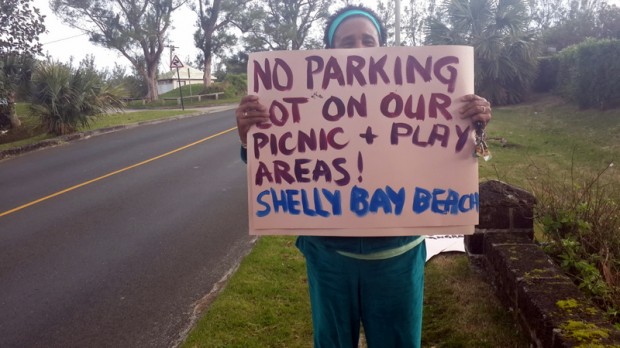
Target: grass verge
[31, 132]
[551, 134]
[266, 304]
[461, 310]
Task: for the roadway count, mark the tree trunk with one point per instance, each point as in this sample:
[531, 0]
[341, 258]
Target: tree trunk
[8, 116]
[150, 76]
[206, 77]
[15, 122]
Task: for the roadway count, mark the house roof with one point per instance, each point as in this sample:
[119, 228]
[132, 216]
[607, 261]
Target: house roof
[185, 73]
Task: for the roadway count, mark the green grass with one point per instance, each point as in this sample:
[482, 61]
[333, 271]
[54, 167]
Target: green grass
[137, 104]
[30, 132]
[460, 309]
[551, 134]
[193, 89]
[134, 117]
[265, 304]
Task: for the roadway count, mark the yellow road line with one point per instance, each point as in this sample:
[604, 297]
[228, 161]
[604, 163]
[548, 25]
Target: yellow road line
[112, 173]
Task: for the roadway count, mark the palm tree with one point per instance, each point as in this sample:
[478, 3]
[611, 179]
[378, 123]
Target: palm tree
[67, 98]
[505, 51]
[15, 70]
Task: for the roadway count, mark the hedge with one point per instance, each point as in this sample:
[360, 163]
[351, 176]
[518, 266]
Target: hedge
[589, 74]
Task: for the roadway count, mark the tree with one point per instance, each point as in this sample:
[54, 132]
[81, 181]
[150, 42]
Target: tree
[283, 24]
[505, 51]
[19, 42]
[414, 15]
[135, 28]
[609, 22]
[601, 21]
[415, 18]
[66, 98]
[212, 35]
[237, 63]
[545, 14]
[387, 14]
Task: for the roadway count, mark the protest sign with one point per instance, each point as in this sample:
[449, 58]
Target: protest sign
[364, 142]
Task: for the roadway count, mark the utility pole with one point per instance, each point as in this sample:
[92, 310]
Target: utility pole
[171, 47]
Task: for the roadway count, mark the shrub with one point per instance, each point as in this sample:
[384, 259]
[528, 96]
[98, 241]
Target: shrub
[232, 85]
[66, 98]
[238, 84]
[588, 74]
[215, 87]
[580, 216]
[547, 75]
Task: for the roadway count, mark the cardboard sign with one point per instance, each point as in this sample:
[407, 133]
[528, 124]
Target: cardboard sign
[363, 142]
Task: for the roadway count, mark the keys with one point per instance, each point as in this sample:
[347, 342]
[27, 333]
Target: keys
[482, 149]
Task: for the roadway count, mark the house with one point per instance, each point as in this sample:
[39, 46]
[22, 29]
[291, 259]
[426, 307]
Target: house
[169, 81]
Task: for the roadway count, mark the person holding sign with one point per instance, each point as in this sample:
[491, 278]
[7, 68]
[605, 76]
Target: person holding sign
[375, 281]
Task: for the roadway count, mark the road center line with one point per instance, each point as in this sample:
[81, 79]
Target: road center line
[113, 173]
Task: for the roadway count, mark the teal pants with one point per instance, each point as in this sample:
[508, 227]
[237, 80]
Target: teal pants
[386, 296]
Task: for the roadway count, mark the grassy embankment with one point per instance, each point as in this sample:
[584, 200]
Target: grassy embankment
[31, 132]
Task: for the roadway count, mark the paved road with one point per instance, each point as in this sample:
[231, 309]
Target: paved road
[119, 261]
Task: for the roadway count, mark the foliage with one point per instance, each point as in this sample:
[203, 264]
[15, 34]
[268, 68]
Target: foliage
[505, 51]
[19, 42]
[31, 131]
[547, 75]
[132, 85]
[21, 26]
[15, 72]
[590, 20]
[545, 14]
[415, 17]
[135, 28]
[586, 74]
[233, 85]
[580, 216]
[283, 25]
[236, 84]
[212, 35]
[67, 98]
[237, 63]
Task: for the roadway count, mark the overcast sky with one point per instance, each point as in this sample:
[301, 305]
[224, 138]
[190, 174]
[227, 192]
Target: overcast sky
[63, 42]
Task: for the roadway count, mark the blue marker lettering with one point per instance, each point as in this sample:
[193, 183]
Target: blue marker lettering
[398, 198]
[259, 200]
[359, 201]
[421, 200]
[305, 204]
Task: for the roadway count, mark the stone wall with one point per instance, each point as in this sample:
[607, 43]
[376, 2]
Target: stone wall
[545, 301]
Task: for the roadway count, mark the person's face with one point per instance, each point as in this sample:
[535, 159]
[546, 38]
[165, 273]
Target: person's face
[356, 32]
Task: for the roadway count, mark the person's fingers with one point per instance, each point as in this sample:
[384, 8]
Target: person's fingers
[249, 113]
[476, 108]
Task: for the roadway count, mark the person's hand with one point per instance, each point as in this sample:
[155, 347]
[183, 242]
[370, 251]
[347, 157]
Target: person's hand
[249, 112]
[476, 108]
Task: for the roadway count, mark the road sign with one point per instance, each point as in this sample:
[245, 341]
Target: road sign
[176, 63]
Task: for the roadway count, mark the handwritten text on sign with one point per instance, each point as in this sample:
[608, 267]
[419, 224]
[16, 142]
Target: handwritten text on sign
[362, 142]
